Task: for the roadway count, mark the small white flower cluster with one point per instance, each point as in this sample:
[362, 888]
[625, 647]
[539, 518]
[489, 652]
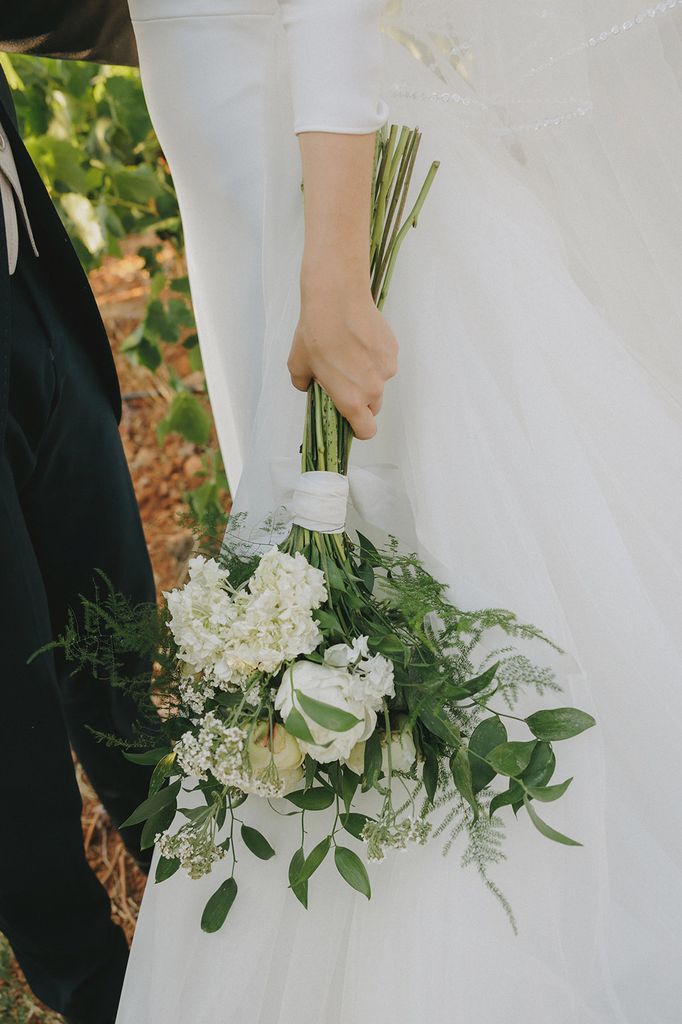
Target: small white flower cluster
[382, 834]
[193, 847]
[224, 636]
[216, 748]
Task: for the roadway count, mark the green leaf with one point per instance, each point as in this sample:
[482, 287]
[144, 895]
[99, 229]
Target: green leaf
[547, 830]
[328, 621]
[297, 726]
[372, 765]
[157, 824]
[461, 773]
[310, 765]
[316, 799]
[482, 681]
[437, 722]
[390, 645]
[326, 715]
[541, 766]
[312, 862]
[546, 794]
[487, 735]
[349, 784]
[187, 417]
[257, 843]
[430, 773]
[509, 796]
[163, 769]
[351, 868]
[148, 757]
[166, 868]
[366, 575]
[559, 723]
[218, 907]
[368, 549]
[354, 823]
[137, 184]
[300, 889]
[164, 798]
[511, 758]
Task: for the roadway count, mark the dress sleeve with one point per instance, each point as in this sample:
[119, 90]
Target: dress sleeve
[335, 52]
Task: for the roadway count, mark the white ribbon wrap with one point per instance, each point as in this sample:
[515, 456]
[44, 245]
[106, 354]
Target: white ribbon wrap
[375, 494]
[320, 502]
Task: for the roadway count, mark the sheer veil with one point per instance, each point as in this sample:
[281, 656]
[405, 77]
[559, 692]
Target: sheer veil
[581, 99]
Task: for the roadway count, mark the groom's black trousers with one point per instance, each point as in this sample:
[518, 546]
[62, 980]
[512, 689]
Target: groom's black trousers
[66, 508]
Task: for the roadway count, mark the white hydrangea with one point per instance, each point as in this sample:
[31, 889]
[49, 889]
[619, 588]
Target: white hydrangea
[199, 614]
[225, 636]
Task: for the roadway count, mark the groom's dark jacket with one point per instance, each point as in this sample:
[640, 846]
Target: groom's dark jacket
[96, 30]
[60, 264]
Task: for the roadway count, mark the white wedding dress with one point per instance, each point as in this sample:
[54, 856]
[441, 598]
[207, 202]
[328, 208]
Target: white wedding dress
[536, 425]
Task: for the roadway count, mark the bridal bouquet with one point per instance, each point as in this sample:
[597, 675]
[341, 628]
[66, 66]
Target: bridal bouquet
[336, 679]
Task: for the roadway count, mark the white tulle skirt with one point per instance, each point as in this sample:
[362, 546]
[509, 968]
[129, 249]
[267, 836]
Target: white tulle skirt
[535, 423]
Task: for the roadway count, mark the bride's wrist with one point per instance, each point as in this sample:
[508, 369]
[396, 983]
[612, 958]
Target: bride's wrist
[332, 268]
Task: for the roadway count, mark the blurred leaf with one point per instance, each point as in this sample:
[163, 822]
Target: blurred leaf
[187, 417]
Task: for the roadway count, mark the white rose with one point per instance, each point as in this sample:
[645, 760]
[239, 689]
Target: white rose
[283, 749]
[330, 686]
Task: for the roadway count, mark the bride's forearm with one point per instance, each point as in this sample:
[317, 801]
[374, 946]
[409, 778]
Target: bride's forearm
[337, 183]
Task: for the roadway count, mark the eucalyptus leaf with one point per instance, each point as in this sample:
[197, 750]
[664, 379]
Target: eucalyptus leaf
[349, 784]
[372, 764]
[157, 824]
[300, 889]
[510, 796]
[329, 622]
[152, 804]
[312, 862]
[547, 830]
[351, 868]
[487, 735]
[149, 757]
[219, 906]
[559, 723]
[546, 794]
[437, 722]
[430, 772]
[326, 715]
[482, 681]
[163, 769]
[316, 799]
[541, 766]
[511, 758]
[354, 823]
[297, 726]
[257, 843]
[166, 868]
[461, 773]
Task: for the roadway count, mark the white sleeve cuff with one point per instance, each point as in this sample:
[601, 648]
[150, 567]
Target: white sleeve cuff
[336, 59]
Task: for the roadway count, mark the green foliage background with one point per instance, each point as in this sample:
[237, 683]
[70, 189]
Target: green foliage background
[89, 134]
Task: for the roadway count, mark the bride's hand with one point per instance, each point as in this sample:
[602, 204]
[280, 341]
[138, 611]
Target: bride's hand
[342, 340]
